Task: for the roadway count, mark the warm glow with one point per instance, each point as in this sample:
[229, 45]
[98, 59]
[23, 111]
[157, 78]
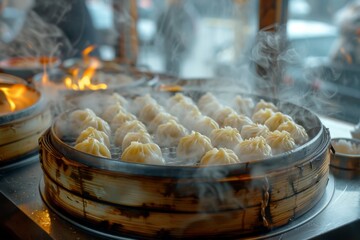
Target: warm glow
[78, 81]
[12, 94]
[87, 51]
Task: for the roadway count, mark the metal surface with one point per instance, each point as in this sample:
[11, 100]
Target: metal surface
[21, 186]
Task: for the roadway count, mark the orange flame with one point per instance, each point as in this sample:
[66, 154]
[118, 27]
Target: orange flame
[12, 94]
[83, 82]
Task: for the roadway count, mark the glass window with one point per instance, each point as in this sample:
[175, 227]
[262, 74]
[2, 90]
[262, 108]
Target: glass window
[324, 34]
[194, 38]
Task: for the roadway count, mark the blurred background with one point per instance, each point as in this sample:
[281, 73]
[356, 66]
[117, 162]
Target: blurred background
[315, 43]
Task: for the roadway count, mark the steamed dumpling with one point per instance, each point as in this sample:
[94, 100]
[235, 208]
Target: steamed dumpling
[193, 147]
[219, 157]
[183, 107]
[205, 125]
[253, 149]
[280, 141]
[93, 133]
[222, 114]
[149, 112]
[117, 98]
[226, 137]
[263, 104]
[148, 153]
[237, 121]
[190, 117]
[139, 136]
[205, 99]
[178, 97]
[262, 115]
[120, 118]
[97, 123]
[111, 111]
[141, 101]
[297, 132]
[210, 108]
[129, 126]
[243, 105]
[169, 134]
[77, 118]
[162, 117]
[94, 147]
[254, 130]
[275, 120]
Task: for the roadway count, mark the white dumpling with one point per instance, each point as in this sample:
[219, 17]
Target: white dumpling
[120, 118]
[226, 137]
[94, 147]
[117, 98]
[77, 118]
[139, 136]
[169, 134]
[178, 97]
[149, 112]
[222, 114]
[97, 123]
[182, 107]
[193, 147]
[93, 133]
[148, 153]
[211, 108]
[253, 149]
[204, 125]
[190, 117]
[141, 101]
[254, 130]
[275, 120]
[280, 141]
[129, 126]
[111, 111]
[297, 132]
[219, 156]
[162, 117]
[205, 99]
[263, 104]
[237, 121]
[262, 115]
[243, 105]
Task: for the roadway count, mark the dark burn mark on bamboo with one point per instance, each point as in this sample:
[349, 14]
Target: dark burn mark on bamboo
[301, 170]
[134, 213]
[86, 174]
[161, 206]
[110, 226]
[74, 176]
[163, 234]
[291, 181]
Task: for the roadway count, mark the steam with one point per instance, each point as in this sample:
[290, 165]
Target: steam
[37, 38]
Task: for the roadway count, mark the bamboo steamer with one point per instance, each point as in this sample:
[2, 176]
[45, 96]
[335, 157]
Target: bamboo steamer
[148, 201]
[20, 130]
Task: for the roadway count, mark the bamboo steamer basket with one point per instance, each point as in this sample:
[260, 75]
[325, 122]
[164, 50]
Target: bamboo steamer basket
[129, 199]
[21, 129]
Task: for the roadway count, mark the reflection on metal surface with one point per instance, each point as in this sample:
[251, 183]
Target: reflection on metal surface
[42, 217]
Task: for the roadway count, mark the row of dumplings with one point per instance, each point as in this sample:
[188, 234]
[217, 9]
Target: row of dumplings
[268, 133]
